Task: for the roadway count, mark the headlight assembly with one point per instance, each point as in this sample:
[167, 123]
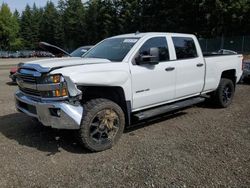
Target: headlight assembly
[53, 86]
[56, 78]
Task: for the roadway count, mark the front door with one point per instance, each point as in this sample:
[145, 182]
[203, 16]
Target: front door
[153, 84]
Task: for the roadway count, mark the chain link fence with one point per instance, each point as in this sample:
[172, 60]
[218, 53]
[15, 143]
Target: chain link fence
[240, 44]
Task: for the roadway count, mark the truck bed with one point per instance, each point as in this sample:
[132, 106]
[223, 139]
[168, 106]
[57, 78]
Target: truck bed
[216, 63]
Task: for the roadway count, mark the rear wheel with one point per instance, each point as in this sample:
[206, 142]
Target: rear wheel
[224, 94]
[102, 124]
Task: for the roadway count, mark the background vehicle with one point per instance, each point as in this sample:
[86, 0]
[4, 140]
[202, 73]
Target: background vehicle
[58, 52]
[123, 79]
[246, 71]
[43, 54]
[14, 54]
[26, 53]
[4, 54]
[226, 52]
[12, 75]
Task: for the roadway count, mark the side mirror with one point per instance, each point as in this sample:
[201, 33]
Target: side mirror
[152, 58]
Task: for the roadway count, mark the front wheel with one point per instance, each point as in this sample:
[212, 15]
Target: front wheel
[224, 94]
[102, 124]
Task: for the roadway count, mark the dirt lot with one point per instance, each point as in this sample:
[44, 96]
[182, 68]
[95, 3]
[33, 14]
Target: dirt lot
[199, 146]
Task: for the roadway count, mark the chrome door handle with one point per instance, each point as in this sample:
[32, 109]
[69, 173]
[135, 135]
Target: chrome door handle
[200, 65]
[169, 69]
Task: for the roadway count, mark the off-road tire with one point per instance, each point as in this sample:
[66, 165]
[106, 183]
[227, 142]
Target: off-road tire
[91, 109]
[219, 97]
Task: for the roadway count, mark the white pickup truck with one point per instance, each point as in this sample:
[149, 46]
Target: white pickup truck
[123, 79]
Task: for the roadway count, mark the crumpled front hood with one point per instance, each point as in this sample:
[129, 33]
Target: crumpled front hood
[46, 65]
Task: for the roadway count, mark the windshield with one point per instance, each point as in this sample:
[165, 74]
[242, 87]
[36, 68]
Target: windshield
[113, 49]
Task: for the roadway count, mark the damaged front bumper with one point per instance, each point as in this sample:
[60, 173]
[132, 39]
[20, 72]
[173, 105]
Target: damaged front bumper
[57, 114]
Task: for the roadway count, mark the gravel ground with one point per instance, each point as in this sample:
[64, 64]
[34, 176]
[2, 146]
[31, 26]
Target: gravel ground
[199, 146]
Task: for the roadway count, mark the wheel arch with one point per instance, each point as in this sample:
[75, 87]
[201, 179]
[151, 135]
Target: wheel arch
[230, 74]
[113, 93]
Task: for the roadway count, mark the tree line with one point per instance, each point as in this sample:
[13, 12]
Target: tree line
[71, 23]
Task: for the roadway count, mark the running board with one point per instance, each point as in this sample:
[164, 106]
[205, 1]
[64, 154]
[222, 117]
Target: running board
[167, 108]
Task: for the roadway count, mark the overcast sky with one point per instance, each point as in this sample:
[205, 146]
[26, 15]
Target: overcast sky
[20, 4]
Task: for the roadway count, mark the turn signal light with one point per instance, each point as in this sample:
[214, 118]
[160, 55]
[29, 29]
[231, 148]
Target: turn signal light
[56, 78]
[60, 93]
[64, 92]
[57, 93]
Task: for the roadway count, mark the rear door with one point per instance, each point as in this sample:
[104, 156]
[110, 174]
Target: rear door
[190, 67]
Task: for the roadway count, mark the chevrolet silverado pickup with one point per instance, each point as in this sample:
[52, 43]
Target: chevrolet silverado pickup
[123, 79]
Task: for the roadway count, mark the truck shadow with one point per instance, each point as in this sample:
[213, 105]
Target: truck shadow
[151, 121]
[246, 83]
[31, 133]
[209, 104]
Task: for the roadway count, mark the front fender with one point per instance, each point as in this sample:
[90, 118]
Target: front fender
[109, 78]
[103, 74]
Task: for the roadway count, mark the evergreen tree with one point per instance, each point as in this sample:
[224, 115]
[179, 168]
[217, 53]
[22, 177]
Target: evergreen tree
[101, 20]
[36, 19]
[26, 28]
[49, 24]
[17, 16]
[74, 24]
[59, 29]
[9, 29]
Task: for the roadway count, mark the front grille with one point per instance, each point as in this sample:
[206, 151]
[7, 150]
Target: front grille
[30, 91]
[27, 78]
[27, 81]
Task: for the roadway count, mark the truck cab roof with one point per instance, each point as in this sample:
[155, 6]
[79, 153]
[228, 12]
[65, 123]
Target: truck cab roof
[148, 34]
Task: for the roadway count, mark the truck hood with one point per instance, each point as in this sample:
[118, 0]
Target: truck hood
[85, 71]
[97, 74]
[46, 65]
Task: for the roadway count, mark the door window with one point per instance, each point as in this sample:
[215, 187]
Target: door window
[156, 42]
[184, 47]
